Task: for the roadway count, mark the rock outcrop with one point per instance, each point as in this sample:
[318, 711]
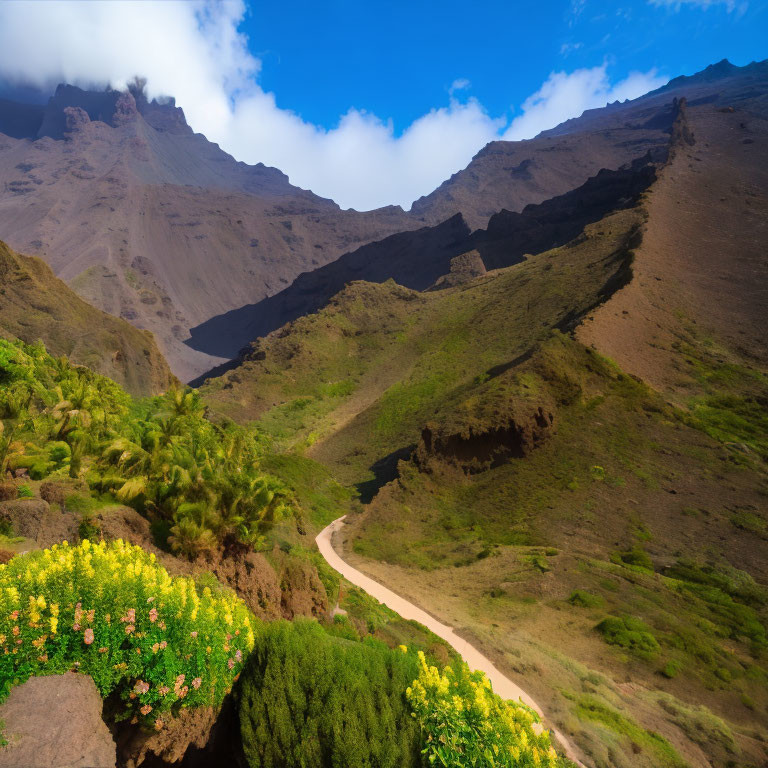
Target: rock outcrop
[464, 268]
[55, 722]
[476, 446]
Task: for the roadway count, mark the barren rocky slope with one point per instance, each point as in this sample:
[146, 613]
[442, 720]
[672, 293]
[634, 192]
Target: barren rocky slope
[512, 174]
[155, 224]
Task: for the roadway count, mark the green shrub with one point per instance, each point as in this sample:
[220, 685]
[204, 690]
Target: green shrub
[88, 529]
[199, 481]
[25, 492]
[59, 452]
[309, 698]
[671, 669]
[112, 612]
[464, 723]
[585, 599]
[630, 633]
[636, 556]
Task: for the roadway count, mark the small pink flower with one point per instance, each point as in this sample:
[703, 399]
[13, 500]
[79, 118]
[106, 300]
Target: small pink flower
[239, 654]
[153, 615]
[197, 682]
[193, 634]
[15, 629]
[88, 639]
[184, 691]
[231, 663]
[103, 650]
[163, 645]
[158, 724]
[14, 615]
[155, 647]
[146, 709]
[150, 599]
[141, 687]
[163, 690]
[129, 629]
[76, 627]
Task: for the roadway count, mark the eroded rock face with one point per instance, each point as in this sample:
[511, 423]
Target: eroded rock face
[75, 118]
[55, 722]
[192, 728]
[477, 447]
[464, 268]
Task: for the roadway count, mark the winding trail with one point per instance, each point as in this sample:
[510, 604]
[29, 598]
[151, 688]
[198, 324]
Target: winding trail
[501, 683]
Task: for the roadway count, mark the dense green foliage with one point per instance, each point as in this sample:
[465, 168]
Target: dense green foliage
[310, 698]
[199, 480]
[464, 723]
[111, 611]
[629, 633]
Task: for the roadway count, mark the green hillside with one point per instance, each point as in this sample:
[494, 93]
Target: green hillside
[36, 306]
[587, 533]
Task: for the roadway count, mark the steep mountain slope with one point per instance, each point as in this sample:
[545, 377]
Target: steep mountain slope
[562, 163]
[417, 259]
[513, 174]
[36, 305]
[600, 536]
[702, 265]
[155, 224]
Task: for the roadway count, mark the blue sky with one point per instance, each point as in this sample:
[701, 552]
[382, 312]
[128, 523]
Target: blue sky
[398, 59]
[374, 103]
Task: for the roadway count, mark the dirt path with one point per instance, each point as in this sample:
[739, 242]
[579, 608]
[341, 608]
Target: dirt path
[501, 683]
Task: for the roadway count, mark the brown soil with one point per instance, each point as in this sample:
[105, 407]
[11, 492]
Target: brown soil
[702, 260]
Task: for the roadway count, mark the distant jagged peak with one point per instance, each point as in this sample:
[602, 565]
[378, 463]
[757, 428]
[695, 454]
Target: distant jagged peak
[720, 71]
[72, 108]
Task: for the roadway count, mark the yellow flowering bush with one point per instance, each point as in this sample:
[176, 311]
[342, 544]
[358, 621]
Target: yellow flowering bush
[111, 611]
[464, 723]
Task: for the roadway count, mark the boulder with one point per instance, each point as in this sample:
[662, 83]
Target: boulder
[55, 722]
[34, 519]
[8, 491]
[57, 491]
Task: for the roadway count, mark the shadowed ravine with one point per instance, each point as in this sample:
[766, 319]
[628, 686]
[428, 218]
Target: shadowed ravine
[502, 685]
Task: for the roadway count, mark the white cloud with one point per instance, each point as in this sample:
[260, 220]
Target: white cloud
[192, 49]
[567, 48]
[461, 84]
[566, 95]
[730, 5]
